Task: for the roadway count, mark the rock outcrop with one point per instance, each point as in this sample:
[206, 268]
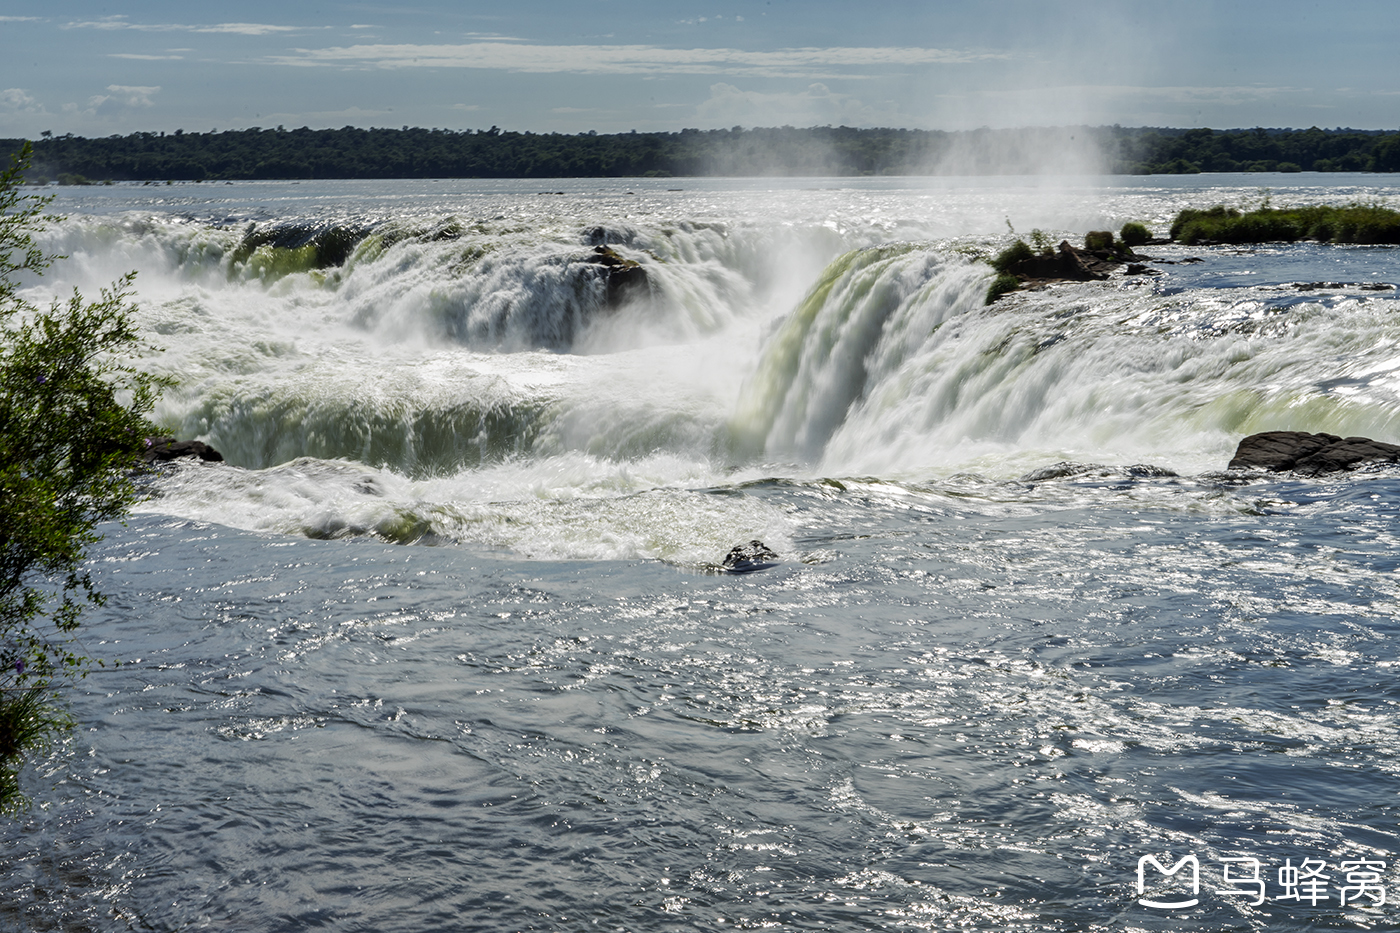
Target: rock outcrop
[1310, 454]
[746, 558]
[624, 276]
[163, 449]
[1020, 267]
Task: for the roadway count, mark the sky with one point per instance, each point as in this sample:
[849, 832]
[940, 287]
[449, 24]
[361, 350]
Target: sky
[103, 68]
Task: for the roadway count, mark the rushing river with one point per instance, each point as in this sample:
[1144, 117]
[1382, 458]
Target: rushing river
[443, 646]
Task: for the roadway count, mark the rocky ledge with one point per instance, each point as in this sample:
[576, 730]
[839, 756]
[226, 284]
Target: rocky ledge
[1020, 267]
[164, 449]
[1310, 454]
[1067, 264]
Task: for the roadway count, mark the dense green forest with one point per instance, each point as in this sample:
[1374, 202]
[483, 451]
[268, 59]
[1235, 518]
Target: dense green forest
[438, 153]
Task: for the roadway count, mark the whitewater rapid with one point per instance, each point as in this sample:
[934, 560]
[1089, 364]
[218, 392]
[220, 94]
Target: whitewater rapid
[440, 369]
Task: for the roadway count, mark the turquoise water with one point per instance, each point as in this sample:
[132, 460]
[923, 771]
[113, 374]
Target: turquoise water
[443, 648]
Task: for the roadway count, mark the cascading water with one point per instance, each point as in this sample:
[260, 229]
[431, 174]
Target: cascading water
[1022, 632]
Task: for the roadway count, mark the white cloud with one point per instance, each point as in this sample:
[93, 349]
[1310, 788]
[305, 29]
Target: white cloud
[21, 19]
[242, 29]
[633, 59]
[18, 100]
[120, 98]
[144, 58]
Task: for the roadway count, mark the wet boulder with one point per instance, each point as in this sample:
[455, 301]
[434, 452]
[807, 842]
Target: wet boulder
[165, 449]
[624, 276]
[1310, 454]
[746, 558]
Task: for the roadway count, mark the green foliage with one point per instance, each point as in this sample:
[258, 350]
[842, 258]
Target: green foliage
[1040, 241]
[72, 425]
[1351, 223]
[1098, 239]
[1170, 151]
[1135, 234]
[29, 722]
[352, 152]
[1003, 283]
[1191, 215]
[1016, 252]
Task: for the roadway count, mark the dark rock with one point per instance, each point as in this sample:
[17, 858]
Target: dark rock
[746, 558]
[1066, 264]
[1137, 268]
[1310, 454]
[163, 449]
[1361, 286]
[1067, 469]
[1099, 257]
[624, 276]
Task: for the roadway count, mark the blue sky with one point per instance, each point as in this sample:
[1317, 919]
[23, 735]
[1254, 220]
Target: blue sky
[94, 69]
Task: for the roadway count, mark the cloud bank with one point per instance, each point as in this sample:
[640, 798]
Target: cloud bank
[634, 59]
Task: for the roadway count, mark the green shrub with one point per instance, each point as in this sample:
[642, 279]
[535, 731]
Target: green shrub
[1003, 283]
[1098, 239]
[72, 425]
[1351, 223]
[1135, 234]
[1016, 252]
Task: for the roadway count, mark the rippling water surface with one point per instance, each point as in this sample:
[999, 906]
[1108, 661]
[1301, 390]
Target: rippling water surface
[443, 647]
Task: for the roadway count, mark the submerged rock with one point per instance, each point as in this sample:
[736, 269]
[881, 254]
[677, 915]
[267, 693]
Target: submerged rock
[1067, 469]
[746, 558]
[1310, 454]
[164, 449]
[329, 244]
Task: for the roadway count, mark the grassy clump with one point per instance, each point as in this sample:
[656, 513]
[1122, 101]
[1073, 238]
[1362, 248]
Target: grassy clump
[1099, 239]
[1134, 234]
[1006, 281]
[1016, 252]
[1350, 223]
[1003, 283]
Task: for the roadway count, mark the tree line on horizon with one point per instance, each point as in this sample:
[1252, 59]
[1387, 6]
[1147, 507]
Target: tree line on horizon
[351, 152]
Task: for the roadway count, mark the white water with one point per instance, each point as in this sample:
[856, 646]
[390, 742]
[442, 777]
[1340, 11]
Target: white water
[976, 689]
[460, 376]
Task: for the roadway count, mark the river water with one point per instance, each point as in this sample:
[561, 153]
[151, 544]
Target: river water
[443, 644]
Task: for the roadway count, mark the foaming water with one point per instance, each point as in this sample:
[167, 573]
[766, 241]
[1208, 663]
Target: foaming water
[445, 643]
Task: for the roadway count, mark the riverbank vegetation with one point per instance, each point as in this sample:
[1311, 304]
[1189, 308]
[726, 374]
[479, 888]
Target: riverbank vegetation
[72, 429]
[1350, 223]
[413, 152]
